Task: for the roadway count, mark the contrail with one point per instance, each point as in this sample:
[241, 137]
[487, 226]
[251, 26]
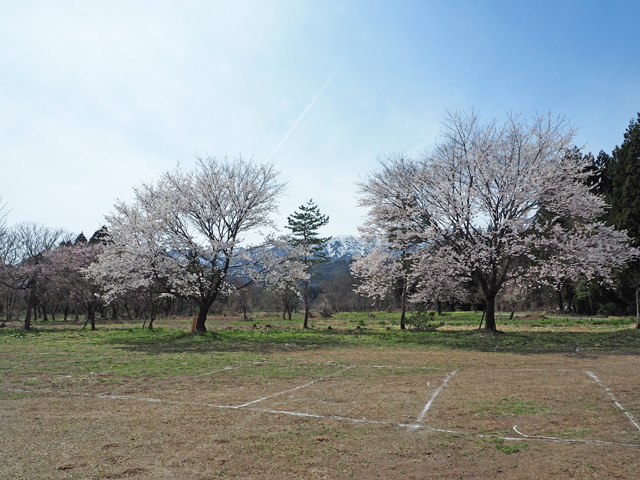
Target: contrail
[295, 124]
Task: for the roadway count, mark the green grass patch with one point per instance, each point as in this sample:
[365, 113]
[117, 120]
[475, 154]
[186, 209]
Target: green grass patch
[509, 448]
[118, 350]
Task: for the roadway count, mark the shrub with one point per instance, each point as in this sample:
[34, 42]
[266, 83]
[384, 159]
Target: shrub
[423, 321]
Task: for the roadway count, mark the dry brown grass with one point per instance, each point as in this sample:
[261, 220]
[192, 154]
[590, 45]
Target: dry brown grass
[180, 426]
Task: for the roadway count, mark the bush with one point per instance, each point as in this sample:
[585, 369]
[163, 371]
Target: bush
[423, 321]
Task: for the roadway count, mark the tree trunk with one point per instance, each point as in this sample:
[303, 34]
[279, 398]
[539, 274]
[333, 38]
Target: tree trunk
[91, 316]
[570, 294]
[27, 318]
[203, 310]
[490, 319]
[404, 304]
[306, 305]
[31, 306]
[559, 298]
[638, 307]
[439, 303]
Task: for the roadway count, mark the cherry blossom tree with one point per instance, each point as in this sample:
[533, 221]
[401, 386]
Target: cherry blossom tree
[7, 254]
[285, 265]
[481, 190]
[435, 282]
[23, 267]
[394, 215]
[183, 234]
[376, 272]
[63, 272]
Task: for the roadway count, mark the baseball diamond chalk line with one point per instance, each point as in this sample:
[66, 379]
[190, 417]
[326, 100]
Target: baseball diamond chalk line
[433, 397]
[568, 440]
[292, 389]
[612, 397]
[414, 426]
[522, 437]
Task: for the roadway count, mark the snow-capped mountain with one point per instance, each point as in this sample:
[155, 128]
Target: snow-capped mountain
[349, 246]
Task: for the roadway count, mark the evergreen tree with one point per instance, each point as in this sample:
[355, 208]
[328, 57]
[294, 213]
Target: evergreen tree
[99, 236]
[304, 225]
[620, 185]
[625, 178]
[80, 239]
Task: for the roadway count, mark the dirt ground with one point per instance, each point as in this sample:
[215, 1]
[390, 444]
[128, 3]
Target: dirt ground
[351, 413]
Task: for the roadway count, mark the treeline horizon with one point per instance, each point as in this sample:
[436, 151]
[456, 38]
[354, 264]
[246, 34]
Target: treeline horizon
[42, 273]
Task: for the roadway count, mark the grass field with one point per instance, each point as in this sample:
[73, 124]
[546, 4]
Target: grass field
[546, 398]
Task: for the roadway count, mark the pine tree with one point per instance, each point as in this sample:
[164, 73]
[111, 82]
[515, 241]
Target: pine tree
[99, 236]
[620, 185]
[304, 225]
[80, 239]
[625, 194]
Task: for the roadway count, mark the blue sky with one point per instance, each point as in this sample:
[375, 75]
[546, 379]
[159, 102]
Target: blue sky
[97, 97]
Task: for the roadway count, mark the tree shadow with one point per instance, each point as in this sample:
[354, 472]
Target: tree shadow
[623, 341]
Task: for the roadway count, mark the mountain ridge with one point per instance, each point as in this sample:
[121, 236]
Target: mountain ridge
[346, 247]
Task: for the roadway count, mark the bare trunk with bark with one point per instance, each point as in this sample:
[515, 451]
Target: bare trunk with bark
[404, 304]
[306, 305]
[490, 318]
[638, 308]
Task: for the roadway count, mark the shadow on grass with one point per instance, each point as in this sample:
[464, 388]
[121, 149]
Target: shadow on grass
[624, 341]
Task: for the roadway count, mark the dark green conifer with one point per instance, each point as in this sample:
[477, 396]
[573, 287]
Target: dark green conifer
[80, 239]
[304, 224]
[625, 189]
[620, 186]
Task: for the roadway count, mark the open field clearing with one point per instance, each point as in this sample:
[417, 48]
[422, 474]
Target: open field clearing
[256, 402]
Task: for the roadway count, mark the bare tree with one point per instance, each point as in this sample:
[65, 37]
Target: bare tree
[24, 269]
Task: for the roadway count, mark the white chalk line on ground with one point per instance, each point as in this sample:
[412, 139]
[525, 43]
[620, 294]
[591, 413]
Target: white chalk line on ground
[433, 397]
[567, 370]
[612, 397]
[522, 437]
[569, 440]
[293, 389]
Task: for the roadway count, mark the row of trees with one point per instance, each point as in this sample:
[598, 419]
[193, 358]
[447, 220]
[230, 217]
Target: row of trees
[43, 268]
[181, 238]
[494, 209]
